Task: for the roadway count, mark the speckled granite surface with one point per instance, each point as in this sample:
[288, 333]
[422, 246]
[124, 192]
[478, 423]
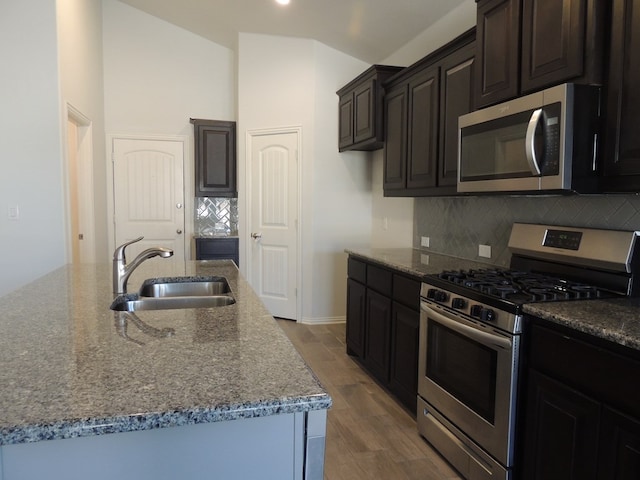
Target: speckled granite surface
[70, 367]
[412, 261]
[616, 320]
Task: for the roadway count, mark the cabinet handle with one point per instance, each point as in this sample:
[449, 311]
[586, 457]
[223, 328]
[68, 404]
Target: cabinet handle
[179, 232]
[178, 206]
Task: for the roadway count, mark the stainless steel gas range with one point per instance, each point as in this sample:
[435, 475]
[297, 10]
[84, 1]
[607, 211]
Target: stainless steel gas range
[471, 331]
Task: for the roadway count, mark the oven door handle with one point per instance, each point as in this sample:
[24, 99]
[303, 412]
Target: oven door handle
[482, 337]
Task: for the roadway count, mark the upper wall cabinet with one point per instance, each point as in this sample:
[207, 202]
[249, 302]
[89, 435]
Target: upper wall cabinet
[621, 172]
[422, 106]
[215, 158]
[360, 107]
[528, 45]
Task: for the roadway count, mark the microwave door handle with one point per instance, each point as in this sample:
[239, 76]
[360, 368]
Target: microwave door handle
[473, 333]
[530, 149]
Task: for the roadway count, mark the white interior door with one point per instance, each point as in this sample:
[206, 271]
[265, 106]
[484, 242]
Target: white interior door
[148, 186]
[274, 221]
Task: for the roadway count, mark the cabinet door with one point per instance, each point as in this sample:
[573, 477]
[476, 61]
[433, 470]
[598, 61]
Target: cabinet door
[561, 432]
[422, 154]
[377, 332]
[356, 311]
[622, 143]
[364, 112]
[456, 98]
[395, 148]
[553, 38]
[403, 379]
[498, 51]
[215, 155]
[619, 447]
[345, 121]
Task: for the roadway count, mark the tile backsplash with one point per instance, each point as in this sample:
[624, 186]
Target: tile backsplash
[457, 225]
[216, 216]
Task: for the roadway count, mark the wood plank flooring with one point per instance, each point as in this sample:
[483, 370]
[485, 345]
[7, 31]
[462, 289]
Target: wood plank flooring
[369, 434]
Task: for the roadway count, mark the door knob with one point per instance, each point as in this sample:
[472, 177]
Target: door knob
[178, 206]
[256, 236]
[179, 232]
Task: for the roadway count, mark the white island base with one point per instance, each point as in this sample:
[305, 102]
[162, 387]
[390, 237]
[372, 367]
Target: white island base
[275, 447]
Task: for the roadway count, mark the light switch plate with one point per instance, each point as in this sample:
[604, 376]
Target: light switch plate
[425, 241]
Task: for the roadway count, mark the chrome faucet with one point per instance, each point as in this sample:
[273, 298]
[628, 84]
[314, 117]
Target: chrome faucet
[122, 270]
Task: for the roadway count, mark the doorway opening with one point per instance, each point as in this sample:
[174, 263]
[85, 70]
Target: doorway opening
[79, 191]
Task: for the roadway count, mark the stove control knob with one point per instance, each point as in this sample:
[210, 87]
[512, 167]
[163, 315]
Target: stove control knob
[437, 295]
[487, 315]
[458, 303]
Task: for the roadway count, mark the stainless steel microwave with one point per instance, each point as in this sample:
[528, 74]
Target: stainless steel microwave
[543, 142]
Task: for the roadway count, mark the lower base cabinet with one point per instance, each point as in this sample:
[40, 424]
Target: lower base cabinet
[582, 416]
[218, 248]
[403, 374]
[383, 317]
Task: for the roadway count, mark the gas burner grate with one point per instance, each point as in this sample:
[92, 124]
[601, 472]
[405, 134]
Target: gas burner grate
[520, 286]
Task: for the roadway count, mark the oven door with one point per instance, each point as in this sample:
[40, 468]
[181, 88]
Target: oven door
[468, 373]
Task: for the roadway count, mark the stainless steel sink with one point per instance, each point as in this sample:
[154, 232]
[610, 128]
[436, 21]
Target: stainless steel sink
[133, 303]
[185, 287]
[177, 292]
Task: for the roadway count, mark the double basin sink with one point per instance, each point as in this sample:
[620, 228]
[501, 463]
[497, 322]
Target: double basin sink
[177, 292]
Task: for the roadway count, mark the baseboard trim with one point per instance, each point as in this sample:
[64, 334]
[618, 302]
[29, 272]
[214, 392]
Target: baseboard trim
[323, 320]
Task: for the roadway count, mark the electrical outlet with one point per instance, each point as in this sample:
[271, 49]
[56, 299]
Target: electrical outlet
[484, 251]
[13, 213]
[425, 241]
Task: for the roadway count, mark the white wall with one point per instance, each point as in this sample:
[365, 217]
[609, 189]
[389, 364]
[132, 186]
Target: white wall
[292, 82]
[157, 75]
[399, 212]
[30, 143]
[81, 79]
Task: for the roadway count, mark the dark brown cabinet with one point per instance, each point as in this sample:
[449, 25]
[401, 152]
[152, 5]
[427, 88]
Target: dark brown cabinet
[528, 45]
[563, 427]
[578, 387]
[360, 110]
[422, 106]
[218, 248]
[377, 335]
[497, 51]
[383, 318]
[215, 158]
[621, 169]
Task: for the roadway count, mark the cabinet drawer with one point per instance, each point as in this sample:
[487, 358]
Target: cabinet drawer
[379, 279]
[406, 291]
[357, 270]
[601, 373]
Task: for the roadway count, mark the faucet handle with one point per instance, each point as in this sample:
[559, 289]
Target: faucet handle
[118, 254]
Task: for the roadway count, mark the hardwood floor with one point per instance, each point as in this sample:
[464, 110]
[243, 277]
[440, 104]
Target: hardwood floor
[369, 434]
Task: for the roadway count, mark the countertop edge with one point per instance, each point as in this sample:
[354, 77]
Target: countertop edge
[149, 421]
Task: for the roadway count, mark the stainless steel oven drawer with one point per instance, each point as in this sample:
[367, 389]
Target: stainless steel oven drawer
[461, 452]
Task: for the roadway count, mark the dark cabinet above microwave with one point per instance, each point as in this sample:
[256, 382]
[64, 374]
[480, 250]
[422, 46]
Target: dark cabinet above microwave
[528, 45]
[215, 158]
[360, 110]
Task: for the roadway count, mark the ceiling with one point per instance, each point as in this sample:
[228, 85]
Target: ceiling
[370, 30]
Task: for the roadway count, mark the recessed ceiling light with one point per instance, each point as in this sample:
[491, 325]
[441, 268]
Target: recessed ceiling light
[283, 2]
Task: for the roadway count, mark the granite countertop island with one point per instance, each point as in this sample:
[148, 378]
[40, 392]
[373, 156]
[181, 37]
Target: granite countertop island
[72, 368]
[616, 320]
